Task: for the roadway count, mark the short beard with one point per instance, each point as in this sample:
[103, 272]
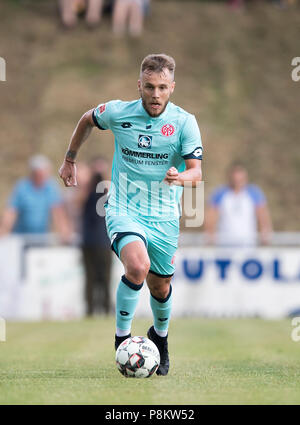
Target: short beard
[153, 115]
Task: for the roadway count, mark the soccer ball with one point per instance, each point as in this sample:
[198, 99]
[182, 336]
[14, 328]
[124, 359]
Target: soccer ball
[137, 357]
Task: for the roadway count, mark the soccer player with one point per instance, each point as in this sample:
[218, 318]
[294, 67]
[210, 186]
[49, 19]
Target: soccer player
[157, 150]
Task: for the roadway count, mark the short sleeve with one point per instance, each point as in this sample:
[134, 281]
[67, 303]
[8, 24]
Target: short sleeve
[191, 144]
[257, 195]
[103, 114]
[217, 196]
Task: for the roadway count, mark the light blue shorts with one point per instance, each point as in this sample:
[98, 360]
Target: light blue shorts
[160, 238]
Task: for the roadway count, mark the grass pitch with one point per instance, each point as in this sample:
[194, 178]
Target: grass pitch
[245, 361]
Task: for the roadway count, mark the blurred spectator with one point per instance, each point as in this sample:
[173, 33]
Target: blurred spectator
[97, 254]
[70, 10]
[36, 204]
[129, 13]
[284, 3]
[235, 4]
[235, 212]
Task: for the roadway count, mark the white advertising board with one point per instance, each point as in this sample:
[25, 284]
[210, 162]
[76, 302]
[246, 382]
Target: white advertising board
[262, 282]
[54, 284]
[10, 276]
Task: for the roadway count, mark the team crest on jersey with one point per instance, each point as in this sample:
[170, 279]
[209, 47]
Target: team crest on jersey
[102, 108]
[145, 141]
[168, 130]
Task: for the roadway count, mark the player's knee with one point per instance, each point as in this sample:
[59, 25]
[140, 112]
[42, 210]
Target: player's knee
[137, 271]
[161, 291]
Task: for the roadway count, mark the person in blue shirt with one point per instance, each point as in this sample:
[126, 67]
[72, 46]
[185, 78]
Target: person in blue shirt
[158, 149]
[35, 203]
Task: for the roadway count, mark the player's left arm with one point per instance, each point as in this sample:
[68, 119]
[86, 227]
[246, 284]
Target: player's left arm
[190, 176]
[191, 152]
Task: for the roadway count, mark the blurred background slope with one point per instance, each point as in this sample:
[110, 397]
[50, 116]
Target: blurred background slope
[233, 73]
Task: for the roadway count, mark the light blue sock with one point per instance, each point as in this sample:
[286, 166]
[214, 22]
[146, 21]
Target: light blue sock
[126, 301]
[161, 309]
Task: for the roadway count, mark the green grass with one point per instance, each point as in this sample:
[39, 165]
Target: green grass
[247, 361]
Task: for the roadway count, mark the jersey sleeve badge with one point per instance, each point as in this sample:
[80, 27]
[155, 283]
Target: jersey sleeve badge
[102, 108]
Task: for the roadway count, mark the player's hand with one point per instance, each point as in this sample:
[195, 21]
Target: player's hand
[67, 173]
[171, 176]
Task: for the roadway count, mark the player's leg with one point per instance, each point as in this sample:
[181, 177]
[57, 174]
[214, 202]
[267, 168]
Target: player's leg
[162, 245]
[161, 302]
[134, 256]
[128, 240]
[161, 305]
[135, 259]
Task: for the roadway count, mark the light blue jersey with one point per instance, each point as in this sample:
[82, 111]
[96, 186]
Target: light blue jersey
[145, 148]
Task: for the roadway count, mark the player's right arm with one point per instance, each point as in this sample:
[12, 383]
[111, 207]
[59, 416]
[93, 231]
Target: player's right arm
[82, 131]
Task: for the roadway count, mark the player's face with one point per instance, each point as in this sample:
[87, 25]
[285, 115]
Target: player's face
[155, 90]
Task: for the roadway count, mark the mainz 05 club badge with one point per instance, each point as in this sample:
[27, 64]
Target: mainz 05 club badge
[168, 130]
